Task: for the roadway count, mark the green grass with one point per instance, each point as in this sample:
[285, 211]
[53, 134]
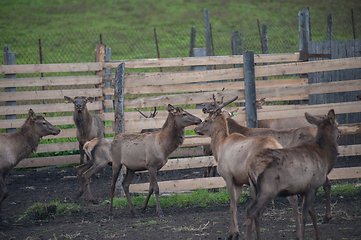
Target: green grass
[45, 211]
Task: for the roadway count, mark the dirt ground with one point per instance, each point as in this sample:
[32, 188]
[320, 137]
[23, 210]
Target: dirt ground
[29, 187]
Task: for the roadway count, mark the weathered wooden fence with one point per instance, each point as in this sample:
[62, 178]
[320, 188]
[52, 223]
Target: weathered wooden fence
[186, 88]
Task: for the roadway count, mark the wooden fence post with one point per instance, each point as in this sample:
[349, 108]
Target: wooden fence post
[207, 27]
[99, 57]
[303, 33]
[9, 59]
[250, 89]
[108, 58]
[192, 44]
[237, 46]
[329, 26]
[119, 112]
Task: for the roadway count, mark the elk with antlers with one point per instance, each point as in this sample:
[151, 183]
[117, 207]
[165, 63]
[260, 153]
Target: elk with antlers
[88, 126]
[290, 171]
[233, 153]
[148, 151]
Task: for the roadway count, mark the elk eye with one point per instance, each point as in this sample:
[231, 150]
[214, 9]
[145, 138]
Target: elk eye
[184, 114]
[44, 123]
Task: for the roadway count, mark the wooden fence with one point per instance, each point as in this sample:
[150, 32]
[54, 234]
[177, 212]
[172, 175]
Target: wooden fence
[186, 88]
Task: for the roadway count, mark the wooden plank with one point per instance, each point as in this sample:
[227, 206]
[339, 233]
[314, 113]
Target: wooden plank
[349, 150]
[67, 133]
[306, 67]
[187, 152]
[196, 61]
[345, 173]
[49, 161]
[52, 94]
[50, 68]
[177, 185]
[50, 81]
[208, 86]
[46, 108]
[192, 162]
[327, 87]
[166, 78]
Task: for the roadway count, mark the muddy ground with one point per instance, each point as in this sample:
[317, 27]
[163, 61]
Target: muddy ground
[29, 187]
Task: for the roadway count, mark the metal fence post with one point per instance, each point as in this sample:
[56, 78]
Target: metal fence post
[192, 44]
[264, 37]
[207, 27]
[9, 59]
[329, 26]
[119, 112]
[250, 89]
[108, 57]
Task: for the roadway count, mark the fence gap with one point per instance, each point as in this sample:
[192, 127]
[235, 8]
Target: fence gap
[9, 59]
[250, 89]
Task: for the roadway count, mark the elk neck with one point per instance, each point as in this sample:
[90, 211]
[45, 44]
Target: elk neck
[82, 120]
[234, 127]
[171, 136]
[326, 140]
[219, 133]
[27, 140]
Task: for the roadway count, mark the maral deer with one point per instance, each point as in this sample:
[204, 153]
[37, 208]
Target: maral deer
[14, 147]
[88, 126]
[148, 151]
[298, 170]
[232, 153]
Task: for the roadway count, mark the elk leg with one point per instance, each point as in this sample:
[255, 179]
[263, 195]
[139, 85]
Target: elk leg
[80, 169]
[153, 187]
[87, 175]
[293, 200]
[313, 216]
[3, 193]
[327, 187]
[81, 150]
[116, 171]
[306, 203]
[234, 192]
[126, 182]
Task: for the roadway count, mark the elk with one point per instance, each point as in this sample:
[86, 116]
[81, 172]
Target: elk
[14, 147]
[98, 152]
[88, 126]
[289, 171]
[233, 153]
[287, 138]
[148, 151]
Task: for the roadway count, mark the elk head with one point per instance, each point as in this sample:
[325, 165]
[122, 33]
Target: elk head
[79, 103]
[327, 124]
[183, 118]
[41, 126]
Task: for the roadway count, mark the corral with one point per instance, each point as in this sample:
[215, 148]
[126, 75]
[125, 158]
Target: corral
[187, 88]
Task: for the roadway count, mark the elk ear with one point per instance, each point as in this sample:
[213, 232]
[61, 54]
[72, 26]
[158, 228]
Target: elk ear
[170, 109]
[32, 114]
[68, 99]
[311, 119]
[331, 115]
[89, 99]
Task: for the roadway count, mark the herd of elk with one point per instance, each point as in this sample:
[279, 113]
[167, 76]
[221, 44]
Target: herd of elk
[289, 171]
[88, 126]
[14, 147]
[233, 153]
[273, 162]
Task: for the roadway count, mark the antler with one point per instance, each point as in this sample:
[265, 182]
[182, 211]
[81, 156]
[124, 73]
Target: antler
[223, 104]
[152, 115]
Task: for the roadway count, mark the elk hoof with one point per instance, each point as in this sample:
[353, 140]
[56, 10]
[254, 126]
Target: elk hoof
[111, 217]
[94, 201]
[326, 219]
[79, 195]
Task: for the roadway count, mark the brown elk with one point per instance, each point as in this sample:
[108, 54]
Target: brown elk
[233, 153]
[98, 152]
[14, 147]
[148, 151]
[290, 171]
[88, 126]
[287, 138]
